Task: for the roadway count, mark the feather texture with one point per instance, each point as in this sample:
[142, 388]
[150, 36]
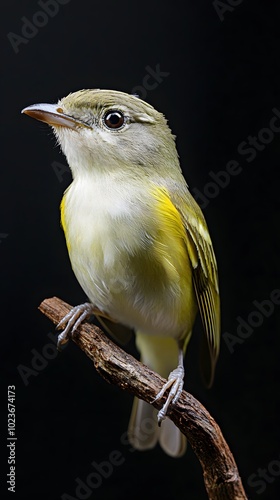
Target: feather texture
[137, 240]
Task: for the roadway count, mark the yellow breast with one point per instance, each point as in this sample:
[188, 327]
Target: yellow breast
[129, 255]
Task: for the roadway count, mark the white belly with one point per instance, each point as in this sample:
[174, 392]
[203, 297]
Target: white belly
[110, 252]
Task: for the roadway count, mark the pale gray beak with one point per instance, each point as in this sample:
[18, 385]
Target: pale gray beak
[53, 115]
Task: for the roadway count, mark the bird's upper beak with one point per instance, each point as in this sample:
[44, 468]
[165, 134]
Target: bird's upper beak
[53, 115]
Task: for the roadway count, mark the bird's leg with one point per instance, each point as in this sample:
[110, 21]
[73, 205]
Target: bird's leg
[175, 382]
[74, 318]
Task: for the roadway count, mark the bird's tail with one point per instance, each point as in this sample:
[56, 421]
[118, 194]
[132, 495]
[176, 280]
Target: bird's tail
[161, 355]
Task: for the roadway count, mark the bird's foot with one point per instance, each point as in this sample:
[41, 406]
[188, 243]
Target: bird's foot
[175, 382]
[72, 320]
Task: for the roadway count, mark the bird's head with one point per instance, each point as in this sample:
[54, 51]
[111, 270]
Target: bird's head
[105, 130]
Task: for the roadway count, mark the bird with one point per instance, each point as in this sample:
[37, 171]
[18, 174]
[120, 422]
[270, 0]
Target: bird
[138, 243]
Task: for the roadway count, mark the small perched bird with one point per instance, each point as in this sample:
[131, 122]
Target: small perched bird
[137, 240]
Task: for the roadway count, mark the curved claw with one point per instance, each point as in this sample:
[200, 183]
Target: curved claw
[175, 382]
[72, 320]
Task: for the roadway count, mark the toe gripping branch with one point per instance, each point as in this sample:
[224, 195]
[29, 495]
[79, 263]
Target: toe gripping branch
[220, 473]
[72, 321]
[176, 383]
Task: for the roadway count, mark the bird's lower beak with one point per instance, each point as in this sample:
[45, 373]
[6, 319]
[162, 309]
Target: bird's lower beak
[53, 115]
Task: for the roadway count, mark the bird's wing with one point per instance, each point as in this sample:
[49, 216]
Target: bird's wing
[205, 277]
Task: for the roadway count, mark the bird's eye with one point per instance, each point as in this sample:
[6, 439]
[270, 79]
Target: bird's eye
[114, 119]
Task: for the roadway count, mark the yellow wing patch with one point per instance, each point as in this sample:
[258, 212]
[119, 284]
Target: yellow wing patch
[170, 240]
[168, 213]
[63, 221]
[195, 234]
[170, 245]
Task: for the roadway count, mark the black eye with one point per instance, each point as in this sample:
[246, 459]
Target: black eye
[114, 119]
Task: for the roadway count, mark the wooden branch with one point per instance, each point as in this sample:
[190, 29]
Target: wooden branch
[221, 477]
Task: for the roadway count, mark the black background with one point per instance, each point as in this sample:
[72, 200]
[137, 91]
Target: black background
[223, 83]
